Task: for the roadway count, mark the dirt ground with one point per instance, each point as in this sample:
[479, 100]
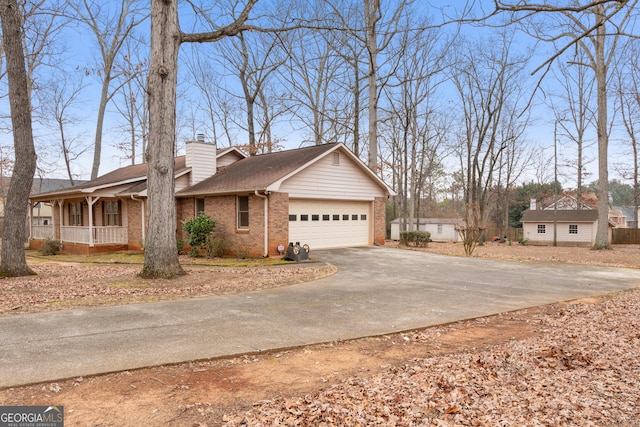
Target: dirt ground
[219, 392]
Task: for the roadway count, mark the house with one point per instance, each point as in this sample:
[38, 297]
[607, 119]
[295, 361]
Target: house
[441, 229]
[322, 195]
[573, 226]
[626, 214]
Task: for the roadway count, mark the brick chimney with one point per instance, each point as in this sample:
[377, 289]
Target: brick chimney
[201, 158]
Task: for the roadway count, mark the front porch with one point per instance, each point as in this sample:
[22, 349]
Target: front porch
[81, 239]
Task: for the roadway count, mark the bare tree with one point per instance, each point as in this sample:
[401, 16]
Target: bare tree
[577, 117]
[14, 233]
[111, 24]
[161, 256]
[594, 27]
[133, 102]
[254, 58]
[489, 83]
[56, 105]
[627, 88]
[410, 96]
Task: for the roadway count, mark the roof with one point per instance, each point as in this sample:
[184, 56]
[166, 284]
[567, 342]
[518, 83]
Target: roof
[265, 172]
[561, 215]
[627, 211]
[129, 174]
[454, 221]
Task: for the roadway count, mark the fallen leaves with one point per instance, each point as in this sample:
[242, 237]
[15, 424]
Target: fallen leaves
[57, 286]
[583, 371]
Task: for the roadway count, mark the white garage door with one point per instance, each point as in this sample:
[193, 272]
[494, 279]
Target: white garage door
[329, 224]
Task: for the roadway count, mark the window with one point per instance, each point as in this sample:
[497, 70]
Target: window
[573, 228]
[354, 217]
[345, 217]
[304, 217]
[293, 217]
[336, 217]
[199, 206]
[75, 213]
[325, 217]
[363, 217]
[439, 228]
[243, 211]
[542, 228]
[315, 217]
[336, 159]
[111, 213]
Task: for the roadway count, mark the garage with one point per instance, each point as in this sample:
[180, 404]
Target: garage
[324, 224]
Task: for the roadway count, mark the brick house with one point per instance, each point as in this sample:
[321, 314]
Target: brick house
[322, 195]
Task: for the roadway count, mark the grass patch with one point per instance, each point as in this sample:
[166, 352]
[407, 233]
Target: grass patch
[137, 258]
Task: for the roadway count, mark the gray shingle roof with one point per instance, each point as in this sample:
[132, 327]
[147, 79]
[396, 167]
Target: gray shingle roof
[584, 215]
[256, 172]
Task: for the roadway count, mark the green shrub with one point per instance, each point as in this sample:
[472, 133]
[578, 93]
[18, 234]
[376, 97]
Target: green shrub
[199, 229]
[51, 247]
[415, 238]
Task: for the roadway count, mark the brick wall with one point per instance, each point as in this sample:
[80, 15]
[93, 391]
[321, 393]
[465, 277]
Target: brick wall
[379, 225]
[134, 224]
[249, 242]
[278, 221]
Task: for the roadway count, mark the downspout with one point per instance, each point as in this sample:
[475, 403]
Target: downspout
[266, 222]
[141, 214]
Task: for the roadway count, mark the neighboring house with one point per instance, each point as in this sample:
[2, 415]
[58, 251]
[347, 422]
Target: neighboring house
[441, 229]
[322, 195]
[573, 227]
[628, 213]
[41, 212]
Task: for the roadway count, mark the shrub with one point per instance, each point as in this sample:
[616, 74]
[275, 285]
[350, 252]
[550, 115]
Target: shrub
[415, 238]
[51, 247]
[199, 229]
[217, 247]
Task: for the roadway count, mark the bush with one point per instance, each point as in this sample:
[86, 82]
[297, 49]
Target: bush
[199, 229]
[51, 247]
[415, 238]
[217, 247]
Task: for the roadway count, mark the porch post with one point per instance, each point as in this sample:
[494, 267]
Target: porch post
[90, 202]
[30, 219]
[61, 222]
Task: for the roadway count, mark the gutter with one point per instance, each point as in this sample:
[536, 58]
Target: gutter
[265, 252]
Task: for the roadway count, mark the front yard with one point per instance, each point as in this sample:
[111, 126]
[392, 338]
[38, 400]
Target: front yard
[567, 364]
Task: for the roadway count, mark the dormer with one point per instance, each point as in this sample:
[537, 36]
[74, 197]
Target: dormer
[201, 158]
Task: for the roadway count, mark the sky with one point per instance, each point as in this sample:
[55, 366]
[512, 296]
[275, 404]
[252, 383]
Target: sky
[81, 57]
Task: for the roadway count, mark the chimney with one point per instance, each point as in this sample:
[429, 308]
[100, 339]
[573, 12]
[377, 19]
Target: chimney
[201, 158]
[532, 204]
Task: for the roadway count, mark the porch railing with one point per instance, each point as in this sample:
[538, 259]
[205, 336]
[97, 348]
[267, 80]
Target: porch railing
[101, 235]
[42, 232]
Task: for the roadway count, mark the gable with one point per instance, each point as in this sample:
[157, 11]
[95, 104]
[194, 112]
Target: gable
[326, 180]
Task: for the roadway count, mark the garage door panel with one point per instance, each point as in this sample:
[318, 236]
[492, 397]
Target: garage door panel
[329, 224]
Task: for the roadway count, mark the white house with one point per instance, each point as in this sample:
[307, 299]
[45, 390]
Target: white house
[441, 229]
[572, 227]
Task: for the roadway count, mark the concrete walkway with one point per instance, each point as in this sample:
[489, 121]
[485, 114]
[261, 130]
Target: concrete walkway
[376, 291]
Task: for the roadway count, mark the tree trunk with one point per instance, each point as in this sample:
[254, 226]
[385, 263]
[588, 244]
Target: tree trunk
[372, 15]
[160, 254]
[14, 233]
[97, 150]
[602, 233]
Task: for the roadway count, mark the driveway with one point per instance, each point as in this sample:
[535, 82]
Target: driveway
[376, 291]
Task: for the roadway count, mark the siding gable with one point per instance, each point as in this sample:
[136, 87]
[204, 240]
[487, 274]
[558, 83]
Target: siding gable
[326, 180]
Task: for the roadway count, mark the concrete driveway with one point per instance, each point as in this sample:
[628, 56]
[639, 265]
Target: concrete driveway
[376, 291]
